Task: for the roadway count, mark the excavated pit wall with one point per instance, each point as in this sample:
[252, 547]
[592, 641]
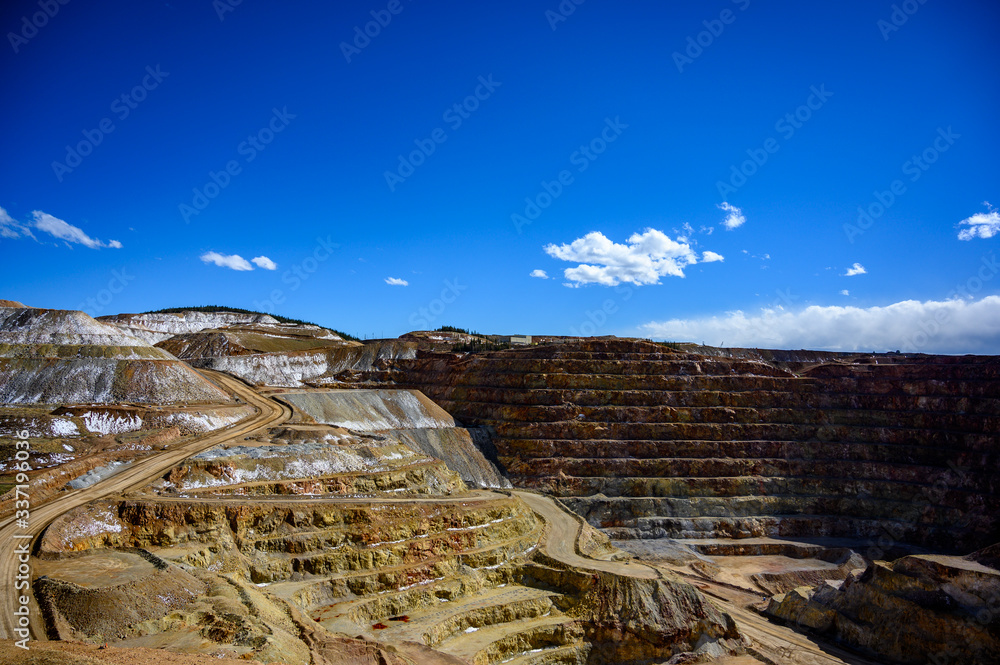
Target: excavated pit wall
[647, 442]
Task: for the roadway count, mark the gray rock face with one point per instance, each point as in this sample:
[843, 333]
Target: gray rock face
[406, 416]
[454, 446]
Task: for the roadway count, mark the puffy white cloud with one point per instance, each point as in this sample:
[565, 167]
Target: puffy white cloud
[232, 261]
[57, 228]
[395, 281]
[264, 262]
[735, 218]
[643, 259]
[540, 274]
[856, 269]
[981, 225]
[711, 257]
[948, 326]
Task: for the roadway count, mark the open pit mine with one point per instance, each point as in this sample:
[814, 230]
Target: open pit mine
[204, 486]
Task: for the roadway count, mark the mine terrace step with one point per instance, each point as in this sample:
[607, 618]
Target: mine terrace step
[750, 415]
[607, 397]
[495, 644]
[728, 489]
[923, 455]
[582, 430]
[796, 548]
[436, 624]
[642, 492]
[872, 531]
[737, 383]
[681, 467]
[629, 366]
[573, 654]
[604, 514]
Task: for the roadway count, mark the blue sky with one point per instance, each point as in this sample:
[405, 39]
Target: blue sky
[676, 170]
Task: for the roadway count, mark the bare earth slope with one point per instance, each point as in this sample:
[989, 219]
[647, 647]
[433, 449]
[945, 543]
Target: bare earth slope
[66, 357]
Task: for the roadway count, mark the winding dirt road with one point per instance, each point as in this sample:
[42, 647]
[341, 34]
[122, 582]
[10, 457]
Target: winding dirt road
[564, 532]
[269, 414]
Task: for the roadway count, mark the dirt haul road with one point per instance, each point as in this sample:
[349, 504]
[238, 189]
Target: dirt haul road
[564, 532]
[13, 546]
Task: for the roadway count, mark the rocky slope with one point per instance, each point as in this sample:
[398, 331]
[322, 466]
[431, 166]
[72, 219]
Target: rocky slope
[405, 417]
[310, 367]
[65, 357]
[648, 442]
[157, 326]
[262, 351]
[918, 609]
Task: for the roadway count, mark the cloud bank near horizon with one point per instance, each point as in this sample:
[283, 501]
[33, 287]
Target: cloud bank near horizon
[942, 326]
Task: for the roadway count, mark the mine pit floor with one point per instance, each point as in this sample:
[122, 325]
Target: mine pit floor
[107, 568]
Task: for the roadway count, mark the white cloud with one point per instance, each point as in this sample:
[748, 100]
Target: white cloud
[395, 281]
[949, 326]
[57, 228]
[232, 261]
[711, 257]
[735, 218]
[856, 269]
[845, 292]
[540, 274]
[11, 228]
[981, 225]
[644, 259]
[264, 262]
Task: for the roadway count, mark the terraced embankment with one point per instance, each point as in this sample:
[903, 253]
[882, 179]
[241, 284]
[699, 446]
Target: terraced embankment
[646, 442]
[355, 532]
